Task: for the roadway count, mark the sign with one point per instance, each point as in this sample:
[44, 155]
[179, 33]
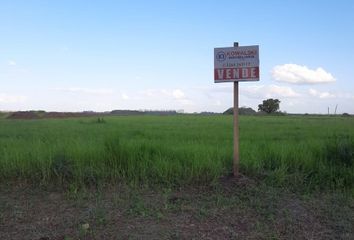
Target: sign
[236, 64]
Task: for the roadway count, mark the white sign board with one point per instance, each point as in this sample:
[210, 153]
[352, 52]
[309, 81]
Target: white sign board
[236, 64]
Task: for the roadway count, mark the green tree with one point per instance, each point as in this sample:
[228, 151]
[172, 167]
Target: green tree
[269, 106]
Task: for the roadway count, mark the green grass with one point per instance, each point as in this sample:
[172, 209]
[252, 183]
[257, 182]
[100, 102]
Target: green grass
[301, 152]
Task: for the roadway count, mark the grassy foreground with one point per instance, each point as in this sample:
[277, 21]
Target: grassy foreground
[303, 152]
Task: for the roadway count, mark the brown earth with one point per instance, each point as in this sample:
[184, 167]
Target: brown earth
[40, 115]
[233, 209]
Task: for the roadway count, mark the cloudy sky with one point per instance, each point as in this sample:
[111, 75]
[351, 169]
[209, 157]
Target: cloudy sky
[104, 55]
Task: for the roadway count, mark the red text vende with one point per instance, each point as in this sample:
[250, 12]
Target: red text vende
[236, 73]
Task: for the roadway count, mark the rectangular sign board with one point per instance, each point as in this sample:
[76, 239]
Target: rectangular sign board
[236, 64]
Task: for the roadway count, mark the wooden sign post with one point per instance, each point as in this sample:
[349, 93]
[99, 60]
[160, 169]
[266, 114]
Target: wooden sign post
[236, 64]
[236, 128]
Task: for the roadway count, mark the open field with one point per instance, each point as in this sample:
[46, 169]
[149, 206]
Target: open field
[306, 152]
[168, 177]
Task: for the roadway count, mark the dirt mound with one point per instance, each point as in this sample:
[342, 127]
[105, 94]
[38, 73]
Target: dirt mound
[42, 114]
[24, 115]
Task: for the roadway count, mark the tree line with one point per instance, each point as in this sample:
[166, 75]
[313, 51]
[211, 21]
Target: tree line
[268, 106]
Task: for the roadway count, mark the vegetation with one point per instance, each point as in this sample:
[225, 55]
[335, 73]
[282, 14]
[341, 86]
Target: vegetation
[241, 111]
[269, 106]
[3, 114]
[104, 165]
[311, 152]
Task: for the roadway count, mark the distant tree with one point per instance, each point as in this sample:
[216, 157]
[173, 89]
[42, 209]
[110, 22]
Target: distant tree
[241, 111]
[208, 113]
[269, 106]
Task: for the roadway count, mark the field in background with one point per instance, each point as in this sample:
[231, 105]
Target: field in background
[292, 151]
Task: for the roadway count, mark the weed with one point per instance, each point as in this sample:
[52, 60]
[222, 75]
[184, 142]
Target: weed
[100, 120]
[62, 167]
[100, 216]
[137, 207]
[89, 177]
[84, 229]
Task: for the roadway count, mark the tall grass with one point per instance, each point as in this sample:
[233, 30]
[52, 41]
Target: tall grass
[315, 152]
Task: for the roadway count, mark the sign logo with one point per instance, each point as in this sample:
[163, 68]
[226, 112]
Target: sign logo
[220, 56]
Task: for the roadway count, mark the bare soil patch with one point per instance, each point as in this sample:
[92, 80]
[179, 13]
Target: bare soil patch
[242, 209]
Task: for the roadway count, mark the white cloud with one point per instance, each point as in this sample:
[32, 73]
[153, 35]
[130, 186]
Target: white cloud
[7, 98]
[186, 102]
[322, 95]
[269, 91]
[217, 103]
[178, 94]
[95, 91]
[125, 96]
[158, 93]
[11, 63]
[152, 93]
[282, 91]
[172, 95]
[222, 89]
[293, 73]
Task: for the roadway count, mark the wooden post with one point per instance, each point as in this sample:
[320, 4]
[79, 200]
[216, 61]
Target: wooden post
[236, 128]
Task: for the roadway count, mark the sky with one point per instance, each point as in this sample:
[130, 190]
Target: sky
[76, 55]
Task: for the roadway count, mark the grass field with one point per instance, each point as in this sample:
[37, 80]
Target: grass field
[167, 177]
[303, 152]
